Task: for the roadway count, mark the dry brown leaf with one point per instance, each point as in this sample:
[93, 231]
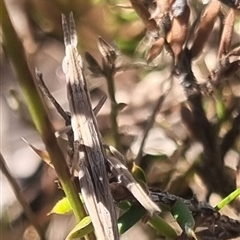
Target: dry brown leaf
[162, 8]
[143, 12]
[227, 33]
[42, 154]
[155, 49]
[178, 33]
[234, 52]
[205, 26]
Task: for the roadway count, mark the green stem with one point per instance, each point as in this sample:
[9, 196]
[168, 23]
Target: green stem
[114, 110]
[15, 51]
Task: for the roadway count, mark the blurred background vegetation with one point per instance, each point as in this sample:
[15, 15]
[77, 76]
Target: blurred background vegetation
[172, 156]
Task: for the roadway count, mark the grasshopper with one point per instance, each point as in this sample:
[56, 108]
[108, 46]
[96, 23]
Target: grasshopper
[88, 147]
[92, 170]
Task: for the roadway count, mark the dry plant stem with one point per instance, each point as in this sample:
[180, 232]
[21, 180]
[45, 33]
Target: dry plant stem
[27, 210]
[211, 168]
[142, 11]
[16, 54]
[108, 70]
[204, 214]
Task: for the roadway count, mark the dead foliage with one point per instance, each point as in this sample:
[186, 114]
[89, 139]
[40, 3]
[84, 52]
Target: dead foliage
[179, 34]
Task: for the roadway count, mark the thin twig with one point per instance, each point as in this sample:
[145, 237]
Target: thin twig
[41, 84]
[27, 210]
[151, 121]
[108, 70]
[114, 111]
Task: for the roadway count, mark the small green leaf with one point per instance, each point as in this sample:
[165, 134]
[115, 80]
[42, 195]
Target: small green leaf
[83, 228]
[220, 107]
[61, 207]
[130, 217]
[190, 232]
[124, 205]
[138, 173]
[183, 216]
[228, 199]
[162, 227]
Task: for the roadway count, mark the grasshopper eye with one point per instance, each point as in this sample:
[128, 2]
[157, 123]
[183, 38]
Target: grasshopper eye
[65, 65]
